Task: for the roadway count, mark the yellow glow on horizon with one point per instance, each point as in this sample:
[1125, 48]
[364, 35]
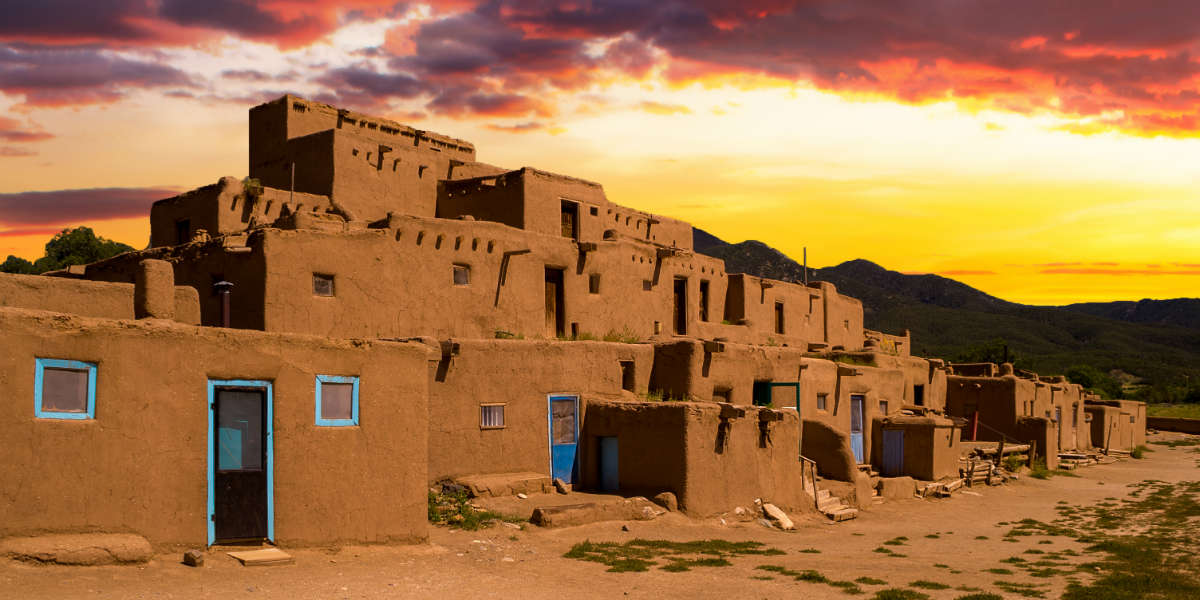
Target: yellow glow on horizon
[929, 188]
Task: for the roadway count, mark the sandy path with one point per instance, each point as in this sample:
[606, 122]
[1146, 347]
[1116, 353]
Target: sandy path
[490, 563]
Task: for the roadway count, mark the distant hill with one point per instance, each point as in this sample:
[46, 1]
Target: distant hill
[1178, 312]
[952, 320]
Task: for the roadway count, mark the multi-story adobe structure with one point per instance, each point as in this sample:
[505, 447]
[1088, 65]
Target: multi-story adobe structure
[374, 310]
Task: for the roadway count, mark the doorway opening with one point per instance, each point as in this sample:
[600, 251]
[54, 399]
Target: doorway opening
[555, 315]
[680, 306]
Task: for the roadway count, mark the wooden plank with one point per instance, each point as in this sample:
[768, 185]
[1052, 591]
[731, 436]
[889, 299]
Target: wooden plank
[266, 557]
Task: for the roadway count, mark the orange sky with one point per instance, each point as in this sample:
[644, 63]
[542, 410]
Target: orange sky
[1047, 155]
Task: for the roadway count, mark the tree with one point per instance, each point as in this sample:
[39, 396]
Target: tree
[16, 264]
[1095, 380]
[77, 246]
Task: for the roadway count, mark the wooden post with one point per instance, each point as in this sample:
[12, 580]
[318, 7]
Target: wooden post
[1000, 452]
[975, 425]
[1032, 452]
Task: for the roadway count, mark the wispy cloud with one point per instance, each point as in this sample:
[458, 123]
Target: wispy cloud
[40, 209]
[1152, 271]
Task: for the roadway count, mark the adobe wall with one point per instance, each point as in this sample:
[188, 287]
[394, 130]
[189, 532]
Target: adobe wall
[998, 400]
[652, 449]
[499, 199]
[85, 298]
[236, 259]
[931, 445]
[752, 301]
[1041, 432]
[399, 282]
[749, 467]
[1179, 424]
[369, 165]
[225, 207]
[141, 465]
[520, 374]
[687, 369]
[927, 373]
[1120, 423]
[719, 470]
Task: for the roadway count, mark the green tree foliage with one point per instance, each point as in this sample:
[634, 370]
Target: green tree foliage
[1095, 380]
[77, 246]
[995, 351]
[16, 264]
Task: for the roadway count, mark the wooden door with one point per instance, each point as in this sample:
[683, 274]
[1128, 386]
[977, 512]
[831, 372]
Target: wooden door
[240, 478]
[856, 426]
[564, 436]
[555, 319]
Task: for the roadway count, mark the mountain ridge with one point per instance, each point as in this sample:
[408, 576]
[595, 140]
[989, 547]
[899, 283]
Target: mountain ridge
[1156, 340]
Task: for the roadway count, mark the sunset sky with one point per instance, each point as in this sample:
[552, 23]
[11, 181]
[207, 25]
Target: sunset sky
[1044, 151]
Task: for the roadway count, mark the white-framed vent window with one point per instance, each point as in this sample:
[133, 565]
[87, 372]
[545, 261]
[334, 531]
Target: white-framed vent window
[64, 389]
[322, 284]
[822, 401]
[337, 401]
[491, 416]
[462, 274]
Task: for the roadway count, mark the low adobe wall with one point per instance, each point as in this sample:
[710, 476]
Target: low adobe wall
[520, 374]
[715, 468]
[86, 298]
[141, 464]
[1179, 424]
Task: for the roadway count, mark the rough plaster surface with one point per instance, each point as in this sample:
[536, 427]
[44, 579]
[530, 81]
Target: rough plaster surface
[79, 549]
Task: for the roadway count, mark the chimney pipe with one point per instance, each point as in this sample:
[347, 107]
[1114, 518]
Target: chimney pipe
[224, 288]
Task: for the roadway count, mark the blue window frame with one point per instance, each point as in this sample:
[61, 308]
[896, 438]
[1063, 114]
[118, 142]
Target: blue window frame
[337, 401]
[51, 404]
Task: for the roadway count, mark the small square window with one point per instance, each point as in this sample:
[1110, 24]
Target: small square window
[337, 401]
[822, 401]
[64, 389]
[647, 285]
[491, 416]
[462, 275]
[594, 211]
[322, 284]
[594, 283]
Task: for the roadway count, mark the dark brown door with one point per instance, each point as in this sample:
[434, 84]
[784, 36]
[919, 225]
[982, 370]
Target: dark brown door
[555, 319]
[240, 482]
[570, 220]
[680, 306]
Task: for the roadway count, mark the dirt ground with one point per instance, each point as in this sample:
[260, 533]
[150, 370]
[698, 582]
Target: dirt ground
[945, 544]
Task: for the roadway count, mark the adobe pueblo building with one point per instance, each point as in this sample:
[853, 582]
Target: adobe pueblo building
[372, 311]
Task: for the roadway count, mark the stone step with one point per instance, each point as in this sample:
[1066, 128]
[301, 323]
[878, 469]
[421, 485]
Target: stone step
[843, 514]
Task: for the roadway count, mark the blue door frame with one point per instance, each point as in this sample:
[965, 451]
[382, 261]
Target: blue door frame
[562, 452]
[856, 426]
[213, 385]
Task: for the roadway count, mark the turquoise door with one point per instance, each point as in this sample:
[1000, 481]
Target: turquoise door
[564, 436]
[610, 470]
[856, 426]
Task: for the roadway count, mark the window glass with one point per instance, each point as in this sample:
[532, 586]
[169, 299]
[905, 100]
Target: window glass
[491, 416]
[64, 390]
[337, 400]
[462, 275]
[562, 417]
[822, 401]
[883, 406]
[239, 431]
[322, 285]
